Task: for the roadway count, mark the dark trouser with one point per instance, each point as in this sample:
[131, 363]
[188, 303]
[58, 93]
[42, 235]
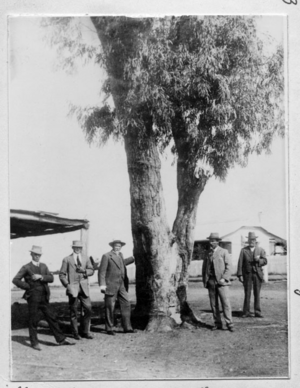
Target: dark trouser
[110, 301]
[249, 280]
[37, 302]
[87, 312]
[215, 292]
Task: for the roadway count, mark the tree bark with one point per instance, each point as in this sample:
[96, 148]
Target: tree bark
[189, 186]
[156, 261]
[189, 191]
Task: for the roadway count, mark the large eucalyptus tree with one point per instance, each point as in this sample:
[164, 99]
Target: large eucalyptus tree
[204, 86]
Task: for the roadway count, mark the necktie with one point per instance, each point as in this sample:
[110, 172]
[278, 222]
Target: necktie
[78, 262]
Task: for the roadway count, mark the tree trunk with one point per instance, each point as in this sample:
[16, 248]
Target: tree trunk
[189, 190]
[156, 261]
[189, 186]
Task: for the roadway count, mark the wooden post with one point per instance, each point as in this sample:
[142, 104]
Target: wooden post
[84, 237]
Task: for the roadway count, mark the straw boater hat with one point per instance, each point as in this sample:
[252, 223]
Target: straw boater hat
[116, 242]
[214, 235]
[77, 244]
[251, 236]
[37, 250]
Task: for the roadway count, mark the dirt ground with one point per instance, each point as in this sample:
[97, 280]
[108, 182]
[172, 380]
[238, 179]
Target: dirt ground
[258, 347]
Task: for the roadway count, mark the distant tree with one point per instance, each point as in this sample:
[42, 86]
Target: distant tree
[203, 86]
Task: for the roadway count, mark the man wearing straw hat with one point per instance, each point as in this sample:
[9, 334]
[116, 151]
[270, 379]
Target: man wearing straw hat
[74, 273]
[113, 282]
[216, 271]
[36, 278]
[250, 273]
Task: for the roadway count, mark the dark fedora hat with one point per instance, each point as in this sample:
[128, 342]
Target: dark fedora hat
[117, 242]
[215, 236]
[251, 236]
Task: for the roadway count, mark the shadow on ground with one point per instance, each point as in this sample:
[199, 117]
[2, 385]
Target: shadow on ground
[19, 317]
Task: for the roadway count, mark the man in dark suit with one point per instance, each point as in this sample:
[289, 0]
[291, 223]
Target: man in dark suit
[113, 282]
[74, 273]
[36, 278]
[250, 273]
[216, 271]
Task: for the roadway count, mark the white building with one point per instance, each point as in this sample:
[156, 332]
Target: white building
[272, 244]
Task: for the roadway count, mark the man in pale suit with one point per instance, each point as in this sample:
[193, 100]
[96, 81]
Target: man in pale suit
[113, 282]
[216, 271]
[74, 274]
[252, 259]
[36, 277]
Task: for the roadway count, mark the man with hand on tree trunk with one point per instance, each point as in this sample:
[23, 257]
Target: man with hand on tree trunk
[216, 271]
[113, 282]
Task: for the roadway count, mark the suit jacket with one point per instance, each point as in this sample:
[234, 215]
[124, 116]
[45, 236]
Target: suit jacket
[246, 262]
[28, 284]
[110, 272]
[69, 276]
[222, 266]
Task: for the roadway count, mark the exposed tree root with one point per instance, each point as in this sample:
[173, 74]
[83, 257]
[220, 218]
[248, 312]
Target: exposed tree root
[161, 324]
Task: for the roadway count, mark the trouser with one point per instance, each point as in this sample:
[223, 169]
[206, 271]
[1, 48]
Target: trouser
[215, 292]
[250, 280]
[110, 301]
[36, 302]
[87, 312]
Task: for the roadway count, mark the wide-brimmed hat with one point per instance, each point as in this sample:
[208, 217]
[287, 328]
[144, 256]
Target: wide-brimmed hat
[214, 235]
[251, 236]
[116, 242]
[37, 250]
[77, 244]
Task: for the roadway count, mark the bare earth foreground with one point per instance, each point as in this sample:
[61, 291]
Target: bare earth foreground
[258, 347]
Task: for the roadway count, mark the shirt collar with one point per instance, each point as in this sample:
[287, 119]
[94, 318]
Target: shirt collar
[37, 264]
[214, 249]
[75, 256]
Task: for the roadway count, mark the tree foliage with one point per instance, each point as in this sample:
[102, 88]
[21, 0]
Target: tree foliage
[207, 80]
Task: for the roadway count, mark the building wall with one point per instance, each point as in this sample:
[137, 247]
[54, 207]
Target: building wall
[240, 237]
[277, 265]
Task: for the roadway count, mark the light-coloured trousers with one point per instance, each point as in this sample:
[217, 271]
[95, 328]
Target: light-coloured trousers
[215, 291]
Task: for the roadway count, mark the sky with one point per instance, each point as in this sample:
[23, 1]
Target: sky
[53, 169]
